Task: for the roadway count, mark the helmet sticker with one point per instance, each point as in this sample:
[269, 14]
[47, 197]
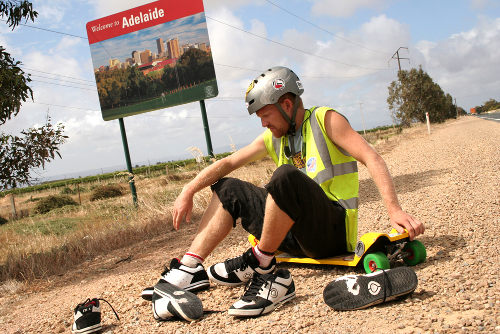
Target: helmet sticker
[311, 164]
[299, 85]
[250, 87]
[279, 84]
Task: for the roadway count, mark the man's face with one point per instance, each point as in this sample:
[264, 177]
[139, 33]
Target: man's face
[271, 118]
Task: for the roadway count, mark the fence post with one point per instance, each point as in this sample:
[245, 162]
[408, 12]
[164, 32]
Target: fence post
[13, 206]
[428, 123]
[79, 197]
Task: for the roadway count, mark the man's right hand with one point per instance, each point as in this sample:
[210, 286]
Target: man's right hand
[183, 207]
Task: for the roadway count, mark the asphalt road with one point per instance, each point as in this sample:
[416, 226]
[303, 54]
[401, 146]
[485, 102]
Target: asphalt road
[491, 116]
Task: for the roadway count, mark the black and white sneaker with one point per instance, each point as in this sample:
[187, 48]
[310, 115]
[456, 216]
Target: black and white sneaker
[184, 277]
[169, 300]
[354, 292]
[87, 316]
[238, 270]
[264, 294]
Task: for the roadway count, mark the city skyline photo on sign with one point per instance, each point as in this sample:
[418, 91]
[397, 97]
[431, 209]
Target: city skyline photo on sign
[151, 57]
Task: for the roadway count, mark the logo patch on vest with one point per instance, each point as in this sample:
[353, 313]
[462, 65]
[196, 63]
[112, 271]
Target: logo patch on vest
[311, 164]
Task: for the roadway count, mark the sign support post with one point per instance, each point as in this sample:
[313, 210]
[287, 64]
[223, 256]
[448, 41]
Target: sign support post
[129, 164]
[207, 129]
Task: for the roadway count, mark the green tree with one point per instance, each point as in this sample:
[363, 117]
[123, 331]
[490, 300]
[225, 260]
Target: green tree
[35, 146]
[491, 104]
[414, 94]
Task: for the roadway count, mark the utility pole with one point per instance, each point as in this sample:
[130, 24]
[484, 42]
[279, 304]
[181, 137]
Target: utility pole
[396, 56]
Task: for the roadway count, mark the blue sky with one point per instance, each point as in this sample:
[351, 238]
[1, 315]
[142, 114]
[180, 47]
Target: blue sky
[342, 54]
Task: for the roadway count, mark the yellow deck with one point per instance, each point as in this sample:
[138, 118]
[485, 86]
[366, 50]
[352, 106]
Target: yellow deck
[349, 259]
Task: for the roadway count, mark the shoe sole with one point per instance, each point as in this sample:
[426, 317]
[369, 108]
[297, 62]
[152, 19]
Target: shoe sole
[87, 330]
[368, 290]
[186, 303]
[147, 293]
[258, 312]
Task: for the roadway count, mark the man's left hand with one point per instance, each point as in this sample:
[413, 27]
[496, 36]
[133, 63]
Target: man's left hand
[400, 220]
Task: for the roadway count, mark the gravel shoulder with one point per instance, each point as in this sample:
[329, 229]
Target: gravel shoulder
[449, 180]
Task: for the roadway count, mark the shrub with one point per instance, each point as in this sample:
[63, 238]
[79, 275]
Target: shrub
[106, 191]
[53, 202]
[68, 191]
[3, 220]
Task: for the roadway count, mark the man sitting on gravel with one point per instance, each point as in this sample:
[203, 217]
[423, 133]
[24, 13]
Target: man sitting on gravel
[308, 208]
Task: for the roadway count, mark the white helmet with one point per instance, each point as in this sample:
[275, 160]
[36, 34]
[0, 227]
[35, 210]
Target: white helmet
[268, 87]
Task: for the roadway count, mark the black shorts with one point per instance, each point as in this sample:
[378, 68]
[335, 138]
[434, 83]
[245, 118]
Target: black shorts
[319, 223]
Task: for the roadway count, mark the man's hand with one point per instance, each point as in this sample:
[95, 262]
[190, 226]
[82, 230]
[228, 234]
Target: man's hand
[400, 220]
[183, 207]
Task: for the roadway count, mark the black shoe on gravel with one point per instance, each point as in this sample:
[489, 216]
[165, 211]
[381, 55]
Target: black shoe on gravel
[87, 316]
[238, 270]
[354, 292]
[264, 294]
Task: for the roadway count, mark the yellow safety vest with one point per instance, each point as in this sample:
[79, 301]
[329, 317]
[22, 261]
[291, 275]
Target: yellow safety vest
[329, 165]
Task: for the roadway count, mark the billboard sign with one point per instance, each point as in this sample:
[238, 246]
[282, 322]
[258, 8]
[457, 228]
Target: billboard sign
[152, 57]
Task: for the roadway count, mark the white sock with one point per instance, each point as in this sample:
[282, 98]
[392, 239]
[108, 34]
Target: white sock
[264, 259]
[191, 260]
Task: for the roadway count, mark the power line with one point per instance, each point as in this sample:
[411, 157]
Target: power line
[324, 30]
[66, 76]
[63, 106]
[57, 84]
[245, 31]
[302, 76]
[223, 99]
[73, 82]
[292, 47]
[57, 32]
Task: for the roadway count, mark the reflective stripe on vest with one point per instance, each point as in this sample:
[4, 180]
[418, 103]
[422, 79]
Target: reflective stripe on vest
[331, 170]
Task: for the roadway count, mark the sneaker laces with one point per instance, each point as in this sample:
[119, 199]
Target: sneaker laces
[237, 263]
[387, 283]
[253, 286]
[166, 270]
[92, 301]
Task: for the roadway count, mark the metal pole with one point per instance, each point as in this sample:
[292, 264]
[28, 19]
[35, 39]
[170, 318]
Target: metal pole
[207, 130]
[127, 159]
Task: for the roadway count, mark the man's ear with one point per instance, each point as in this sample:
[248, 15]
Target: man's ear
[287, 105]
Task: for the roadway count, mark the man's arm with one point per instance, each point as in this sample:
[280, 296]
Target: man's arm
[183, 205]
[342, 134]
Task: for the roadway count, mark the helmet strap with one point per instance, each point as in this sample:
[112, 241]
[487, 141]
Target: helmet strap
[291, 122]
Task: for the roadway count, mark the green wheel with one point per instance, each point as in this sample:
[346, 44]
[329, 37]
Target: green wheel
[374, 261]
[416, 251]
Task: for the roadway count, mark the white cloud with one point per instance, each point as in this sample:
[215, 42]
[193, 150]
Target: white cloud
[467, 64]
[231, 4]
[338, 8]
[368, 52]
[108, 7]
[482, 4]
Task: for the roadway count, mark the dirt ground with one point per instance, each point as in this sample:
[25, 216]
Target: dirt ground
[449, 180]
